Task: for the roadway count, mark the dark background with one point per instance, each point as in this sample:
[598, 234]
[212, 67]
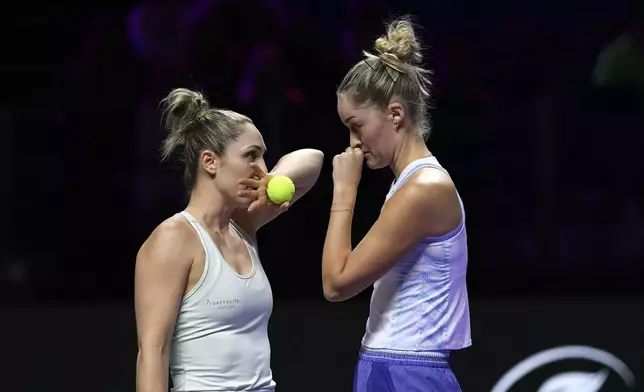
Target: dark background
[546, 158]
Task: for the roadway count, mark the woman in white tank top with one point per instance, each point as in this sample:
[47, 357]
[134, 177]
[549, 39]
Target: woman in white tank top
[202, 299]
[415, 254]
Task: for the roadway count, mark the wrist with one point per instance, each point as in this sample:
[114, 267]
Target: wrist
[344, 195]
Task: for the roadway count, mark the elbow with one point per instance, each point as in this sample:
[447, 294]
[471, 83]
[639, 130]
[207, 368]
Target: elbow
[332, 296]
[308, 156]
[313, 166]
[152, 358]
[316, 157]
[332, 293]
[153, 349]
[317, 160]
[315, 154]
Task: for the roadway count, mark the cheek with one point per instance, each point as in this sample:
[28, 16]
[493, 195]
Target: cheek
[373, 138]
[244, 171]
[235, 170]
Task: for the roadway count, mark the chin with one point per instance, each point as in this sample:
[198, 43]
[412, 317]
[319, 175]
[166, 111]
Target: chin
[244, 202]
[241, 202]
[373, 164]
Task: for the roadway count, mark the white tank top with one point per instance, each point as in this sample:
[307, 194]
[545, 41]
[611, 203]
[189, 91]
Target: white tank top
[421, 305]
[220, 341]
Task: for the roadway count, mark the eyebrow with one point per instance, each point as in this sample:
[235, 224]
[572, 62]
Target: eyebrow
[346, 120]
[255, 147]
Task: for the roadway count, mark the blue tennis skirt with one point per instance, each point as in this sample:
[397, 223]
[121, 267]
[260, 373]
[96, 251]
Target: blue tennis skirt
[378, 372]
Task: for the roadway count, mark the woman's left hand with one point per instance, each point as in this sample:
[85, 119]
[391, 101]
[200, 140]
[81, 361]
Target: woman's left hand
[347, 168]
[257, 187]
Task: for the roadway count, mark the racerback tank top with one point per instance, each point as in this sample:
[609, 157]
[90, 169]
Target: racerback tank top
[220, 341]
[421, 305]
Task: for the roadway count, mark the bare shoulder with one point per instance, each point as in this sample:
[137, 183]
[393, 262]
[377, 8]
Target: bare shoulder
[173, 240]
[430, 183]
[429, 197]
[162, 268]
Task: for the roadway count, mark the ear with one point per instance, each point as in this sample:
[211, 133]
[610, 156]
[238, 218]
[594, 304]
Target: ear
[209, 161]
[396, 113]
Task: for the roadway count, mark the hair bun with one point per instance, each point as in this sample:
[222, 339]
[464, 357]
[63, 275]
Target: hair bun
[181, 107]
[400, 42]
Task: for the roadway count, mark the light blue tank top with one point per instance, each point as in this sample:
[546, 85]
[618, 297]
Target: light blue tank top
[421, 305]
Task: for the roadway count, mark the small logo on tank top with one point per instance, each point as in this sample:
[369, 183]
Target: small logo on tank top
[223, 303]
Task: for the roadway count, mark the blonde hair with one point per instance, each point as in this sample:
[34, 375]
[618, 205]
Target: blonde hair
[194, 127]
[393, 74]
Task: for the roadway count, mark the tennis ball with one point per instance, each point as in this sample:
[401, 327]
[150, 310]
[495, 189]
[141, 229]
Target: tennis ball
[280, 189]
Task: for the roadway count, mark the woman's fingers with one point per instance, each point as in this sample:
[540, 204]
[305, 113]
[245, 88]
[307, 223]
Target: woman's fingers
[249, 182]
[248, 193]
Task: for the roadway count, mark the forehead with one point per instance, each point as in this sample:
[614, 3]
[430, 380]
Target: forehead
[249, 136]
[345, 106]
[347, 109]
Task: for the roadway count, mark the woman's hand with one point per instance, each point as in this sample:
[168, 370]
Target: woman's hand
[347, 168]
[257, 190]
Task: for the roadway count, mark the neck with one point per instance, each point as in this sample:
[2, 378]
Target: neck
[210, 208]
[413, 148]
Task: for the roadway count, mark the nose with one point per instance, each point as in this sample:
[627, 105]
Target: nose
[354, 142]
[262, 163]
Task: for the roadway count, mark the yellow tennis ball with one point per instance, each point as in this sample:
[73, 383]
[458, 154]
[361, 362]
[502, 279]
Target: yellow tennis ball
[280, 189]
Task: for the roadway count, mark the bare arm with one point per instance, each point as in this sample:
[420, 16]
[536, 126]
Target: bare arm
[301, 166]
[425, 206]
[161, 274]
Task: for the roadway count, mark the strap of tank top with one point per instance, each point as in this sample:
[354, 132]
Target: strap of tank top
[417, 165]
[204, 237]
[243, 234]
[189, 217]
[420, 164]
[205, 240]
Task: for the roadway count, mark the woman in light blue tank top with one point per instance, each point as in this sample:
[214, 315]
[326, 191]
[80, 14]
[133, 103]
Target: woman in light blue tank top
[415, 255]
